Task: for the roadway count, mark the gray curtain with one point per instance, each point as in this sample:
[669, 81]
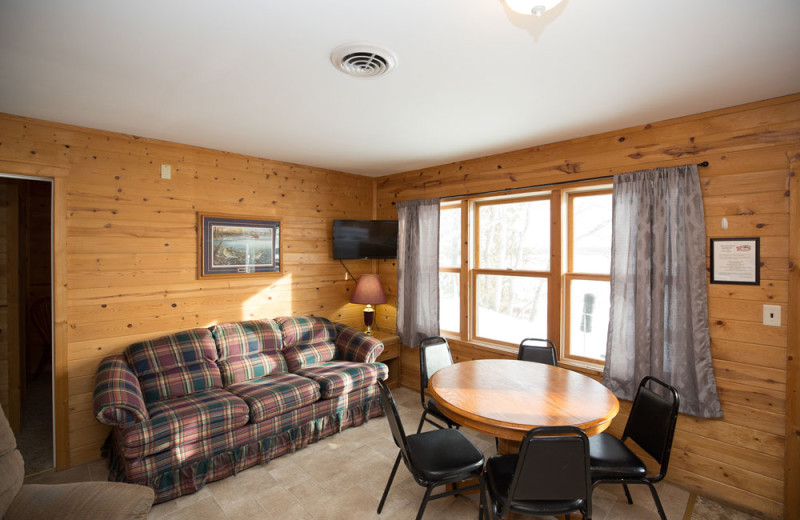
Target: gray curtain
[659, 307]
[418, 270]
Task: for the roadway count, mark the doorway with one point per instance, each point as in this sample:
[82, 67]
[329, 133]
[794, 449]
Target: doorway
[26, 316]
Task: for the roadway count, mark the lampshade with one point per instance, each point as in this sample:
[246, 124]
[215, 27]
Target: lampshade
[536, 7]
[368, 290]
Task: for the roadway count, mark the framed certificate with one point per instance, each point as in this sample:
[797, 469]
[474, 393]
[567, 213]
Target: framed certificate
[735, 261]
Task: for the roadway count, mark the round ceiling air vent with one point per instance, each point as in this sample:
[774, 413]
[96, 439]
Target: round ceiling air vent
[363, 60]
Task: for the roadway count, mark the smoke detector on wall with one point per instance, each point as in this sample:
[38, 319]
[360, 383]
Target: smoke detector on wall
[363, 60]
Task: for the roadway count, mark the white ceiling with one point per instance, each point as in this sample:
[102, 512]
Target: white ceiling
[473, 77]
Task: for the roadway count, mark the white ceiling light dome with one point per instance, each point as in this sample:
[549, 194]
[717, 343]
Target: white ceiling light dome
[363, 60]
[536, 7]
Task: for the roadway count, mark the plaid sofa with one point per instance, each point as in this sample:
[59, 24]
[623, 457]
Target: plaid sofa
[200, 405]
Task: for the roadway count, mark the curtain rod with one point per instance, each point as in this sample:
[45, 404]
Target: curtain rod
[507, 190]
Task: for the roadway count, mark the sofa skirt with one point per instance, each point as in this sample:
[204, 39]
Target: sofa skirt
[184, 470]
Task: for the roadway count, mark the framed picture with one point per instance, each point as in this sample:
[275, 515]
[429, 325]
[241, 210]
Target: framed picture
[735, 261]
[235, 246]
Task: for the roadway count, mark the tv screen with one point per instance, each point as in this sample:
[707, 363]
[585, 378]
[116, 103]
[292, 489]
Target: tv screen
[357, 239]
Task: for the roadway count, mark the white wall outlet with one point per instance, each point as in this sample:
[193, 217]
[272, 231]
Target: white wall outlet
[772, 315]
[166, 171]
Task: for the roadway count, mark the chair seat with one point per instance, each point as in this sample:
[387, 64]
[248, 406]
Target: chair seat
[433, 409]
[500, 471]
[441, 455]
[611, 458]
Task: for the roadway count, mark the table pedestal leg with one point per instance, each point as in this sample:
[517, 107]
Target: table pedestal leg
[505, 446]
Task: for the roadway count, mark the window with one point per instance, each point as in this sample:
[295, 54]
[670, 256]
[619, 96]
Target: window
[587, 281]
[513, 267]
[504, 270]
[450, 268]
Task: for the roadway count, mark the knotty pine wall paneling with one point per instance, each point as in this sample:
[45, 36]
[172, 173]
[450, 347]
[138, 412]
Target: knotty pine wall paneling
[130, 255]
[752, 148]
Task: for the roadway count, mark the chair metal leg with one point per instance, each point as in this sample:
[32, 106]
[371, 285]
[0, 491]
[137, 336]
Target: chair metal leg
[657, 501]
[389, 483]
[422, 420]
[424, 502]
[627, 493]
[482, 507]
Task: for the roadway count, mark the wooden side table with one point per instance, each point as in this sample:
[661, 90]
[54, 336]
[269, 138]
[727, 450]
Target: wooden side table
[390, 355]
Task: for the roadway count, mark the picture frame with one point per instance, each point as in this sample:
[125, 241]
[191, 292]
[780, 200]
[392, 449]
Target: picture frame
[735, 261]
[234, 246]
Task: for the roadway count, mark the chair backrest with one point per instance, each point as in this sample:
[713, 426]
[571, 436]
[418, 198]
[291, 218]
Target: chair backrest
[538, 350]
[553, 464]
[395, 424]
[651, 423]
[434, 353]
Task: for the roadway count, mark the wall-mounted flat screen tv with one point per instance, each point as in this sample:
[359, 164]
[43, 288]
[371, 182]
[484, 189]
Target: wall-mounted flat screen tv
[358, 239]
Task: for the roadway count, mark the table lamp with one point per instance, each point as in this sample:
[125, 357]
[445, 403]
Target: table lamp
[368, 292]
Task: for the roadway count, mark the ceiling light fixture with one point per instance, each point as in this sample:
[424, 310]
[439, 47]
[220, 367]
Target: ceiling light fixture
[535, 7]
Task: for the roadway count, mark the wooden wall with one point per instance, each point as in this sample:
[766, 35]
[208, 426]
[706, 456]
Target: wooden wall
[751, 150]
[131, 244]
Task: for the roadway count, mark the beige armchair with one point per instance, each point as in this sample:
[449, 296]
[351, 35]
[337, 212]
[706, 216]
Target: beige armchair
[81, 500]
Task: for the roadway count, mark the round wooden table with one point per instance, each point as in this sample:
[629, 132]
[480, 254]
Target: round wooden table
[505, 398]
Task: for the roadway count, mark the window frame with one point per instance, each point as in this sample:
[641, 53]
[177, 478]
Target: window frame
[477, 270]
[463, 269]
[570, 275]
[558, 277]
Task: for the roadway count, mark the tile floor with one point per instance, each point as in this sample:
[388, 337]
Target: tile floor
[342, 477]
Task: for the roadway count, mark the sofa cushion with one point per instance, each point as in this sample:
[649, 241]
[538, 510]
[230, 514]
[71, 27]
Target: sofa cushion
[248, 350]
[186, 419]
[307, 341]
[176, 365]
[336, 378]
[275, 394]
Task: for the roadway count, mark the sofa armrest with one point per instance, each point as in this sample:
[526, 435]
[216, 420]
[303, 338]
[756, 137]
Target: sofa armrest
[118, 398]
[353, 345]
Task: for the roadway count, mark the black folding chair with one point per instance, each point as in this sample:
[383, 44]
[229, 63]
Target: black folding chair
[651, 425]
[434, 353]
[434, 458]
[549, 476]
[538, 350]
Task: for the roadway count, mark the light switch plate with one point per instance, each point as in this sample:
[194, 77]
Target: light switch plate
[166, 171]
[772, 315]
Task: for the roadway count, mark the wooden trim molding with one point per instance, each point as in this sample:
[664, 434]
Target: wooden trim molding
[60, 375]
[32, 170]
[791, 497]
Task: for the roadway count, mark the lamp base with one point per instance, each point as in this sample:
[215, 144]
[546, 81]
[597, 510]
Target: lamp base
[369, 317]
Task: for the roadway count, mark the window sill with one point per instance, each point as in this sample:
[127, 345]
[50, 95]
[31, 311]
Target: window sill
[589, 369]
[504, 351]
